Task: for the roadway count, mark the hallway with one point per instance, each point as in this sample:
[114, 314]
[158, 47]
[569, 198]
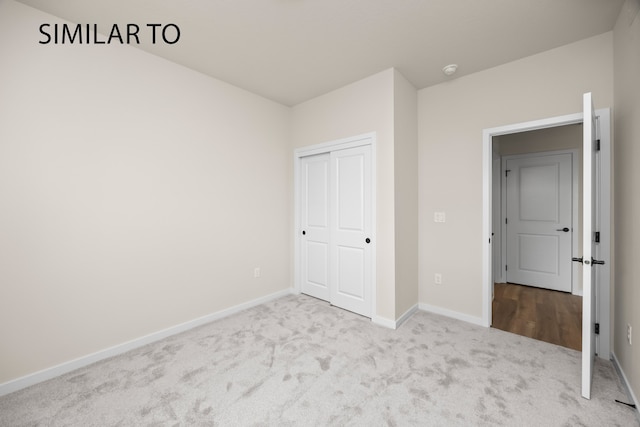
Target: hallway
[542, 314]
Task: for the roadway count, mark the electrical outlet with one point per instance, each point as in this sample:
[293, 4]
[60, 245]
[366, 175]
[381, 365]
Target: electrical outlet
[629, 334]
[437, 278]
[439, 217]
[256, 272]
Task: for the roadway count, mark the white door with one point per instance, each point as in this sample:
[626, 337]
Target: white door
[336, 228]
[539, 221]
[589, 264]
[314, 210]
[350, 262]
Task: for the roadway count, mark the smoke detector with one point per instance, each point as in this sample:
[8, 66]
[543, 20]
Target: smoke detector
[450, 69]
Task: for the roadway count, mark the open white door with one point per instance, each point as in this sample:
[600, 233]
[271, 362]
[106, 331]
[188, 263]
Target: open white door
[588, 244]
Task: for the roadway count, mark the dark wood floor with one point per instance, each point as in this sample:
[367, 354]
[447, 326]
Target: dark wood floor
[546, 315]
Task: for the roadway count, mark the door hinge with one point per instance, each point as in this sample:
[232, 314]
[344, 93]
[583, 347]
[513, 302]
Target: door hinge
[506, 173]
[597, 145]
[596, 238]
[597, 329]
[506, 220]
[506, 267]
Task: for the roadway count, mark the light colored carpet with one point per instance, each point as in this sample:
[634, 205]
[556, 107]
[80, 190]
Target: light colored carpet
[298, 361]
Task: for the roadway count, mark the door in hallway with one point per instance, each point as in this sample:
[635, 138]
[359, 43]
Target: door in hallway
[539, 221]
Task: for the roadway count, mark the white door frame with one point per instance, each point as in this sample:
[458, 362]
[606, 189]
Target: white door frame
[574, 209]
[327, 147]
[603, 344]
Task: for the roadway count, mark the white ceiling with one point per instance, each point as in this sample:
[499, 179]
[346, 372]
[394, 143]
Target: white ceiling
[293, 50]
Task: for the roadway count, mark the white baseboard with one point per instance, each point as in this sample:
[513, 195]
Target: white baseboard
[626, 383]
[63, 368]
[394, 324]
[453, 314]
[383, 321]
[407, 314]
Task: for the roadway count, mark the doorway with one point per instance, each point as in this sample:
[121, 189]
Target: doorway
[491, 224]
[536, 197]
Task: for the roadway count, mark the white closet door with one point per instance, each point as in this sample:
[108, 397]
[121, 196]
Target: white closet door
[336, 196]
[350, 218]
[314, 179]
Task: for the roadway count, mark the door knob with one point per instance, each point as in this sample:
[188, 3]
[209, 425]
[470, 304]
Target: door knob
[304, 232]
[368, 240]
[566, 229]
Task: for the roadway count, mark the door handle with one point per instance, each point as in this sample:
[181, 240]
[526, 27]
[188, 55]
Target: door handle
[587, 262]
[566, 229]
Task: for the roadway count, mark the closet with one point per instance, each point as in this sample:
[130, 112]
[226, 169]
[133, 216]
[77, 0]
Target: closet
[335, 208]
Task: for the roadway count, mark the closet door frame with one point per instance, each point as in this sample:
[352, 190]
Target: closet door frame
[327, 147]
